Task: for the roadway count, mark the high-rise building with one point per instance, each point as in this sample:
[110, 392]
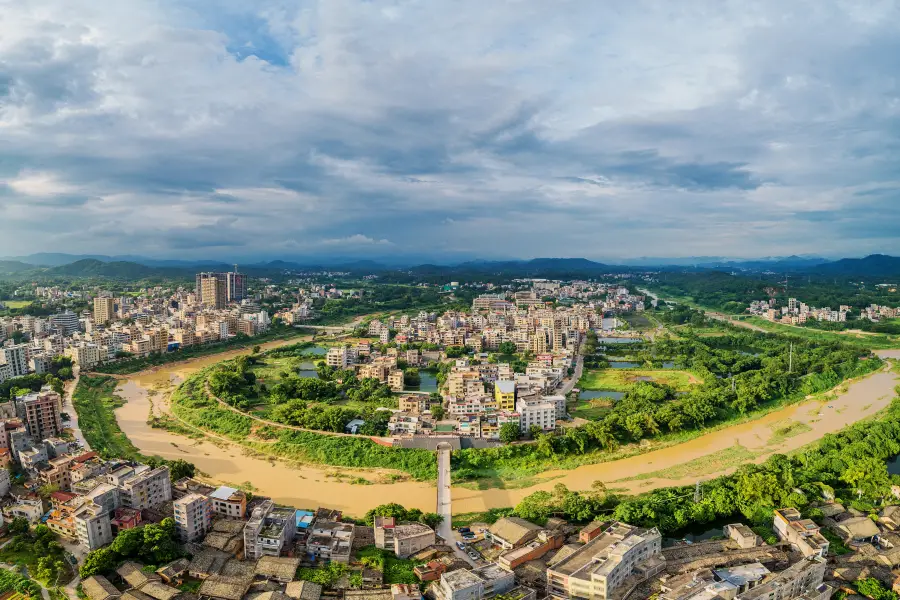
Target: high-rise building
[237, 285]
[40, 413]
[66, 322]
[212, 289]
[104, 310]
[15, 357]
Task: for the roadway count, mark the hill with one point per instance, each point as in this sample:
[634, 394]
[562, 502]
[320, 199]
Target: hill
[14, 266]
[91, 267]
[877, 265]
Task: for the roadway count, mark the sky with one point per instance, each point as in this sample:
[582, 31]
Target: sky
[245, 129]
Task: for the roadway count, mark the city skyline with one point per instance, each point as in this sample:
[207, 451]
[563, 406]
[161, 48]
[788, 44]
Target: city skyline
[448, 131]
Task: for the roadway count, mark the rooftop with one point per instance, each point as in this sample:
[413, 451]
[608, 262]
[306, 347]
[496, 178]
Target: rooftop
[461, 579]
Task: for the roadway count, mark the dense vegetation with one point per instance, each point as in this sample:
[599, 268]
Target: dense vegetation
[151, 544]
[402, 514]
[193, 406]
[849, 466]
[326, 403]
[741, 372]
[733, 293]
[38, 550]
[95, 401]
[60, 370]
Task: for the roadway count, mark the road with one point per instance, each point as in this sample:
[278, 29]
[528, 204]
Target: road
[69, 409]
[445, 529]
[715, 315]
[573, 380]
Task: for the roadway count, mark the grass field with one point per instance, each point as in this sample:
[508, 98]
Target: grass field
[621, 380]
[16, 303]
[593, 409]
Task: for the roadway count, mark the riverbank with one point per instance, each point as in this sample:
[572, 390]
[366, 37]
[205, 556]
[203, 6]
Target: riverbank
[357, 490]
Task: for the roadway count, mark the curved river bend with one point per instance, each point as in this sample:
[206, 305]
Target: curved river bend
[311, 486]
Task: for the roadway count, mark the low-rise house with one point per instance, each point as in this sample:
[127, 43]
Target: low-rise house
[269, 530]
[403, 539]
[98, 587]
[484, 582]
[405, 591]
[802, 533]
[533, 550]
[856, 530]
[134, 575]
[430, 571]
[125, 518]
[174, 572]
[511, 532]
[303, 590]
[229, 502]
[279, 568]
[742, 535]
[227, 536]
[889, 517]
[332, 540]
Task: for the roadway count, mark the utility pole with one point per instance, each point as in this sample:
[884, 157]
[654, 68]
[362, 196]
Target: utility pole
[791, 359]
[697, 494]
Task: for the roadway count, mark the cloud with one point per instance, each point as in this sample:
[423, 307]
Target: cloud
[449, 128]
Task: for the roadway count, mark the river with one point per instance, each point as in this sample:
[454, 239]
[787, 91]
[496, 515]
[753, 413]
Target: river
[309, 486]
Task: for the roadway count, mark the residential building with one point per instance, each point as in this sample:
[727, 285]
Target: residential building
[535, 411]
[236, 284]
[331, 540]
[193, 516]
[404, 539]
[85, 354]
[39, 412]
[803, 534]
[147, 488]
[597, 569]
[505, 395]
[93, 525]
[802, 580]
[533, 550]
[341, 357]
[16, 359]
[512, 532]
[212, 289]
[104, 310]
[269, 530]
[229, 502]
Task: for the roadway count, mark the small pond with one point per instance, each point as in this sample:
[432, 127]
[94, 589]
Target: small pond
[592, 394]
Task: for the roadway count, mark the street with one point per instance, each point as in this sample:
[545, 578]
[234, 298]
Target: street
[69, 409]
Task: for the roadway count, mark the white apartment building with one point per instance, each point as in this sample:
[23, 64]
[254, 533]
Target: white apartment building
[193, 516]
[341, 358]
[536, 411]
[16, 358]
[85, 354]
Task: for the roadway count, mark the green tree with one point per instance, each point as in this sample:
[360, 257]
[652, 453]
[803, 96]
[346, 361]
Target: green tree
[509, 432]
[437, 412]
[507, 348]
[99, 561]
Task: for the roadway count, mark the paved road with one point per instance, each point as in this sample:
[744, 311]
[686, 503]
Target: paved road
[445, 529]
[570, 383]
[69, 409]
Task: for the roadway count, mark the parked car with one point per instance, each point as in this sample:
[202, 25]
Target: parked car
[463, 529]
[474, 556]
[460, 545]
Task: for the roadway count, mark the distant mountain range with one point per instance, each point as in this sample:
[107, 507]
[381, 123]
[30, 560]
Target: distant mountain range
[137, 267]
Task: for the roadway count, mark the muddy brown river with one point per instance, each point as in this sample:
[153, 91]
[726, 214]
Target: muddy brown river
[705, 457]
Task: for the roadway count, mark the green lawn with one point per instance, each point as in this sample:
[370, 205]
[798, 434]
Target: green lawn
[621, 380]
[593, 409]
[16, 303]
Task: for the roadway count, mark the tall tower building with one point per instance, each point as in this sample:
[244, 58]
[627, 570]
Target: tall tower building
[212, 289]
[237, 285]
[104, 310]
